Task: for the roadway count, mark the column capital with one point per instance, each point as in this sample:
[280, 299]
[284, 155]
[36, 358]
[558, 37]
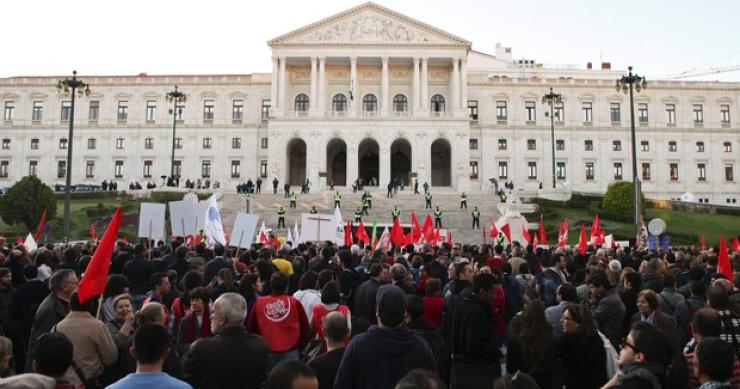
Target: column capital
[321, 58]
[353, 58]
[416, 60]
[385, 58]
[275, 58]
[425, 58]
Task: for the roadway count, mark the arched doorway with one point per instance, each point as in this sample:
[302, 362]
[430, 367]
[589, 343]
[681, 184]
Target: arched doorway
[441, 163]
[401, 160]
[296, 166]
[368, 168]
[336, 162]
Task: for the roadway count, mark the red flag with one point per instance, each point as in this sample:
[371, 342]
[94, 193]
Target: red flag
[494, 230]
[702, 242]
[525, 234]
[582, 240]
[543, 234]
[723, 263]
[596, 231]
[449, 238]
[348, 234]
[428, 229]
[40, 226]
[397, 233]
[96, 275]
[415, 228]
[361, 234]
[507, 232]
[91, 231]
[563, 233]
[535, 243]
[408, 238]
[19, 240]
[735, 245]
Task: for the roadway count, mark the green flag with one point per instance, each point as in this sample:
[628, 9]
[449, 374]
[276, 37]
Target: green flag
[375, 230]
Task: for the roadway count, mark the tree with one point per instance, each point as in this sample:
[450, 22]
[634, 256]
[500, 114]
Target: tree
[619, 199]
[26, 201]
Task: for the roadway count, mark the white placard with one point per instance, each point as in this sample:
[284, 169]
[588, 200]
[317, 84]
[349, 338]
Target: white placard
[196, 214]
[180, 222]
[151, 220]
[242, 235]
[315, 227]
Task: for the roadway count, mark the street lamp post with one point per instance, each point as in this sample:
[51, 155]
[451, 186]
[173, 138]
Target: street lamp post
[175, 97]
[552, 98]
[625, 84]
[77, 88]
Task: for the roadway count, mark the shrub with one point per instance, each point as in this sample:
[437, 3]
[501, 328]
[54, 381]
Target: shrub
[619, 199]
[26, 201]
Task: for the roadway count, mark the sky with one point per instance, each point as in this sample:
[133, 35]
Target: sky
[657, 37]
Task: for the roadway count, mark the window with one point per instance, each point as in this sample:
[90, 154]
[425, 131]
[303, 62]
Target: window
[642, 112]
[370, 105]
[617, 170]
[588, 112]
[729, 176]
[236, 143]
[727, 147]
[263, 168]
[672, 146]
[178, 168]
[147, 173]
[61, 169]
[438, 104]
[646, 171]
[614, 112]
[119, 144]
[616, 145]
[265, 110]
[62, 143]
[588, 145]
[66, 111]
[530, 109]
[94, 112]
[701, 172]
[589, 171]
[503, 170]
[559, 113]
[673, 167]
[502, 144]
[9, 111]
[699, 147]
[151, 110]
[670, 110]
[237, 110]
[179, 111]
[532, 170]
[209, 110]
[4, 169]
[473, 109]
[301, 104]
[205, 169]
[263, 143]
[90, 169]
[644, 145]
[400, 104]
[560, 170]
[118, 170]
[33, 166]
[501, 114]
[149, 143]
[178, 143]
[6, 144]
[206, 143]
[235, 169]
[38, 111]
[122, 110]
[560, 145]
[698, 114]
[34, 144]
[473, 144]
[724, 110]
[531, 144]
[473, 170]
[91, 143]
[339, 104]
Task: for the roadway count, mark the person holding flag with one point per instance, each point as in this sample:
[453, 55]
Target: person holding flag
[476, 217]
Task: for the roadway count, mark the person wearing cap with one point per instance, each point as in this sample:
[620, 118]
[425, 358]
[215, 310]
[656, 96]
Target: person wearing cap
[380, 357]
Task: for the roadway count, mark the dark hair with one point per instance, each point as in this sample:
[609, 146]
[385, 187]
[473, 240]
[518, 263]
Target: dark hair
[598, 279]
[483, 281]
[524, 268]
[218, 249]
[245, 285]
[308, 280]
[199, 293]
[535, 337]
[582, 316]
[4, 271]
[718, 298]
[325, 276]
[580, 276]
[634, 279]
[53, 354]
[139, 250]
[420, 379]
[181, 252]
[696, 273]
[286, 371]
[76, 305]
[150, 343]
[432, 287]
[697, 288]
[30, 272]
[414, 306]
[115, 285]
[330, 293]
[156, 279]
[669, 280]
[375, 269]
[279, 282]
[568, 292]
[460, 268]
[706, 321]
[716, 358]
[652, 342]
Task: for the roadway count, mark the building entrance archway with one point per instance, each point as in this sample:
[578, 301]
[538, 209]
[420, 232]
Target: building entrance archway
[296, 166]
[336, 162]
[441, 163]
[368, 168]
[401, 161]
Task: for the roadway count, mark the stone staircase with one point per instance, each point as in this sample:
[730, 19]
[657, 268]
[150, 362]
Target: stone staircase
[454, 219]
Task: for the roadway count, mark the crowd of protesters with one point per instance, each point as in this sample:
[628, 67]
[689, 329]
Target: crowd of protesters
[322, 316]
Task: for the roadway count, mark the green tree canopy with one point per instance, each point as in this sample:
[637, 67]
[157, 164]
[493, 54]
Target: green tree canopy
[620, 199]
[26, 201]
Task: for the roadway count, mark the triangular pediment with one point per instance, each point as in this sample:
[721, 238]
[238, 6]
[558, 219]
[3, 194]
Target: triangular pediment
[369, 24]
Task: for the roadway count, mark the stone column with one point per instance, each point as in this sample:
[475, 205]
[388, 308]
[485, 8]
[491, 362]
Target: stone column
[274, 85]
[424, 101]
[353, 86]
[464, 84]
[384, 89]
[312, 98]
[455, 84]
[415, 86]
[281, 86]
[384, 163]
[352, 164]
[322, 85]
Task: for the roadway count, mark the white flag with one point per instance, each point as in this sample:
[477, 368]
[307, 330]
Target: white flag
[296, 234]
[339, 225]
[30, 243]
[289, 238]
[384, 241]
[262, 236]
[213, 226]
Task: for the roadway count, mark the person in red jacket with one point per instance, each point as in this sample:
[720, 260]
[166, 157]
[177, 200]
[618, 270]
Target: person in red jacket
[281, 320]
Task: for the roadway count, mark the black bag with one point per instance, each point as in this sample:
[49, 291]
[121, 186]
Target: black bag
[467, 373]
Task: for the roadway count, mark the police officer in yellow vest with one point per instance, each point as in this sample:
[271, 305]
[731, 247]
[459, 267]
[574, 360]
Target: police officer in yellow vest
[281, 217]
[437, 218]
[463, 201]
[358, 215]
[476, 218]
[395, 213]
[293, 198]
[369, 198]
[337, 200]
[428, 198]
[365, 204]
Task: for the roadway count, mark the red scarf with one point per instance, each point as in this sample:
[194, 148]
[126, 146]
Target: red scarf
[205, 326]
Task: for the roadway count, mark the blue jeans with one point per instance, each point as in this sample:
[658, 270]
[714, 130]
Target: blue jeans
[274, 358]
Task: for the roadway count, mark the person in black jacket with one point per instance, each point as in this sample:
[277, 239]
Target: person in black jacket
[644, 359]
[23, 306]
[327, 364]
[581, 350]
[364, 306]
[139, 271]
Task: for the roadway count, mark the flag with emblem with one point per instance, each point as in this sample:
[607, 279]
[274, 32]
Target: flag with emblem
[213, 226]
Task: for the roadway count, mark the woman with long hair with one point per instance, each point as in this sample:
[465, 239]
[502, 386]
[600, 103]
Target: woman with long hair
[250, 287]
[581, 350]
[181, 305]
[533, 350]
[115, 286]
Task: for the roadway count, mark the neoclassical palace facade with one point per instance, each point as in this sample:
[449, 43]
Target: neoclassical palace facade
[373, 94]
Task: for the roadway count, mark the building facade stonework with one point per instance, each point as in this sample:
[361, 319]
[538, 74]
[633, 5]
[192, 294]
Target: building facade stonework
[375, 95]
